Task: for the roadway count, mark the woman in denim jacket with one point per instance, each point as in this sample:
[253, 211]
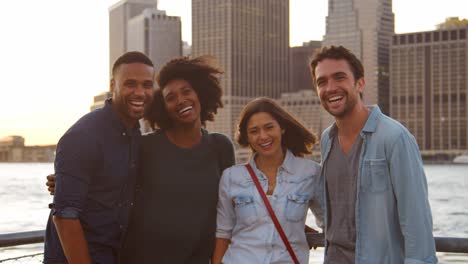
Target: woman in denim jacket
[245, 232]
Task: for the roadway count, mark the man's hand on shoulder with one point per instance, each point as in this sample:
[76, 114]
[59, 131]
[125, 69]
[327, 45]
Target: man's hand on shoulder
[51, 183]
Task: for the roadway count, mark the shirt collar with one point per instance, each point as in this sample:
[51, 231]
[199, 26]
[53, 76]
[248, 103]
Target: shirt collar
[370, 125]
[287, 165]
[115, 119]
[372, 120]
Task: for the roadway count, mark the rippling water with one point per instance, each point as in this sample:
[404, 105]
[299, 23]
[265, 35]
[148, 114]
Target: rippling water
[24, 203]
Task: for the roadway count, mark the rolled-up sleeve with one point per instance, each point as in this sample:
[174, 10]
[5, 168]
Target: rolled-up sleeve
[76, 159]
[225, 219]
[410, 188]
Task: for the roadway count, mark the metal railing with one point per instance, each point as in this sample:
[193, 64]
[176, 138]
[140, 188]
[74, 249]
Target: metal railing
[443, 244]
[22, 238]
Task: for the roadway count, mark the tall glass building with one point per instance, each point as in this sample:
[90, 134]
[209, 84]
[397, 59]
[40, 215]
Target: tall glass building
[365, 27]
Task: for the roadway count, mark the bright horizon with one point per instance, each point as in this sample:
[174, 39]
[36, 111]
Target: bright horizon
[54, 54]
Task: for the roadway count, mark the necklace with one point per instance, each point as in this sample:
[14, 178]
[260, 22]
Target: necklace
[271, 186]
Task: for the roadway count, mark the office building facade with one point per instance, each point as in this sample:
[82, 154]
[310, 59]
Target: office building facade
[119, 15]
[429, 88]
[366, 28]
[300, 78]
[250, 41]
[157, 35]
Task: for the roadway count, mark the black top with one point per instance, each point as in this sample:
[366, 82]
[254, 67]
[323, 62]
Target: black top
[95, 168]
[174, 218]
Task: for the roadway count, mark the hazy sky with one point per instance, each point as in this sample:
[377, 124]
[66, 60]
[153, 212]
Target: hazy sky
[54, 53]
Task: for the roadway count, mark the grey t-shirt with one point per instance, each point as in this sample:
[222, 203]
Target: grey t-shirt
[174, 219]
[341, 174]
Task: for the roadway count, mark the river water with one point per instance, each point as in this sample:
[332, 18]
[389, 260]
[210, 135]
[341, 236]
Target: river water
[24, 204]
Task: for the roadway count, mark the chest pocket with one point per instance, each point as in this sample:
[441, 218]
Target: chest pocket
[296, 207]
[244, 207]
[375, 177]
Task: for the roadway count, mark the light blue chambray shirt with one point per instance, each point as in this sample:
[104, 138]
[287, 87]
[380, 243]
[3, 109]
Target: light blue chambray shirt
[244, 219]
[393, 216]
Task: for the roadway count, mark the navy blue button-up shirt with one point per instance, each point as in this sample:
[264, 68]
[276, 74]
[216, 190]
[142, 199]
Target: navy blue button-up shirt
[95, 168]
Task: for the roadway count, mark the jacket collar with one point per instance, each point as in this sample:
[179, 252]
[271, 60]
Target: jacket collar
[370, 126]
[287, 165]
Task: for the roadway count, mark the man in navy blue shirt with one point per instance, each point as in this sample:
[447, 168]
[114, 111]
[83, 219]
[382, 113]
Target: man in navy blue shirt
[95, 168]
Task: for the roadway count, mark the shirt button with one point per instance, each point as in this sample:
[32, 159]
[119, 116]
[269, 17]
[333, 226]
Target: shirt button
[121, 226]
[131, 204]
[124, 134]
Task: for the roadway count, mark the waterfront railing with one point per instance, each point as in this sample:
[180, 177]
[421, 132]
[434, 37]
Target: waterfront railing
[443, 244]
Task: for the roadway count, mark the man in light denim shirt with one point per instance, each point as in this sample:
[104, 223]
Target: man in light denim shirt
[375, 189]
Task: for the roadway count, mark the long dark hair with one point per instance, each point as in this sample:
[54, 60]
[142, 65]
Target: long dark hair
[298, 139]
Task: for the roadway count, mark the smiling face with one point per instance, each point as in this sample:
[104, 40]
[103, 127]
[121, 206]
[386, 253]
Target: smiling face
[264, 135]
[182, 103]
[132, 91]
[337, 89]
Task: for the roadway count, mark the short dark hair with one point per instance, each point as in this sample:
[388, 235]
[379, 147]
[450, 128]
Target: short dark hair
[298, 139]
[202, 74]
[131, 57]
[337, 53]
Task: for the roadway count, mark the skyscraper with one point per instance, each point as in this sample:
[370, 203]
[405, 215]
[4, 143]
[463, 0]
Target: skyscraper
[365, 27]
[429, 88]
[300, 78]
[157, 35]
[119, 15]
[250, 40]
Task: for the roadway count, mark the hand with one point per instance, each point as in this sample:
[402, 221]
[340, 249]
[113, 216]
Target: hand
[309, 229]
[51, 183]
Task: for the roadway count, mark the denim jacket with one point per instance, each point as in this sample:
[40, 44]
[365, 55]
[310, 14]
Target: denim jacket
[244, 219]
[393, 216]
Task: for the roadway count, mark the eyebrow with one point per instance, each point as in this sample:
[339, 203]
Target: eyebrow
[266, 124]
[335, 74]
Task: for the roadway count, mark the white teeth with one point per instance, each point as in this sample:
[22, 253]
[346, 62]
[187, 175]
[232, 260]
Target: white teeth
[183, 110]
[266, 144]
[136, 103]
[335, 98]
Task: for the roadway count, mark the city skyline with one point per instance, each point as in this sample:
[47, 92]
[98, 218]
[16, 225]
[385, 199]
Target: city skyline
[54, 62]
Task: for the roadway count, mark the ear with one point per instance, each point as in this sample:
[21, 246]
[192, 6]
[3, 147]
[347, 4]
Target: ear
[360, 84]
[112, 85]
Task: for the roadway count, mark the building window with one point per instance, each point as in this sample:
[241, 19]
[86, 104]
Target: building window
[462, 34]
[419, 38]
[427, 37]
[453, 35]
[444, 35]
[436, 36]
[403, 39]
[411, 39]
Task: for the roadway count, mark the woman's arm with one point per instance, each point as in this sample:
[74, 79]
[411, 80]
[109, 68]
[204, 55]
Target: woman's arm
[225, 219]
[221, 245]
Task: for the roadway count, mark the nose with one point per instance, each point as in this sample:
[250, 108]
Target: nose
[263, 134]
[331, 85]
[140, 90]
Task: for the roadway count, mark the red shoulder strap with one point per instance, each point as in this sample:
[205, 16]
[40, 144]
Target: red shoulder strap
[272, 214]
